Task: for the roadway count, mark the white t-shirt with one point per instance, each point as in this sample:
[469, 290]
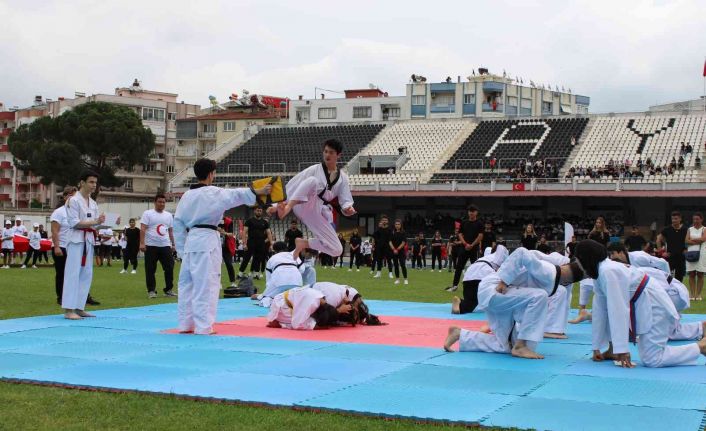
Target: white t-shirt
[158, 225]
[34, 239]
[59, 216]
[20, 230]
[7, 244]
[695, 234]
[106, 232]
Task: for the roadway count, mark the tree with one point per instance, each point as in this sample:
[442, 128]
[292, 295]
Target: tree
[99, 136]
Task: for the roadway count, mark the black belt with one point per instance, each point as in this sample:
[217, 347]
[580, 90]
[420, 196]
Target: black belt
[557, 279]
[282, 264]
[203, 226]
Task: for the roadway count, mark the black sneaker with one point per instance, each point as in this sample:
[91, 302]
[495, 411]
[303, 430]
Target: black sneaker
[451, 288]
[91, 301]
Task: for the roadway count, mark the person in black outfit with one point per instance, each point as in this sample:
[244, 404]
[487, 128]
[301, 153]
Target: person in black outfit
[471, 237]
[600, 232]
[456, 249]
[338, 260]
[543, 246]
[398, 240]
[571, 248]
[437, 243]
[43, 254]
[635, 242]
[489, 239]
[290, 237]
[529, 237]
[355, 255]
[381, 238]
[419, 250]
[675, 238]
[255, 236]
[132, 238]
[225, 230]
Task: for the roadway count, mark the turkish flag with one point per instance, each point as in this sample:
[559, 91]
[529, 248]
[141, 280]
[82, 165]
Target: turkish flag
[518, 187]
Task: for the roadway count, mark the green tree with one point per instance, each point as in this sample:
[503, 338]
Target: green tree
[99, 136]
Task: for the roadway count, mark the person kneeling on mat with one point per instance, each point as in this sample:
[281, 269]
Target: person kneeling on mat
[488, 264]
[301, 308]
[348, 302]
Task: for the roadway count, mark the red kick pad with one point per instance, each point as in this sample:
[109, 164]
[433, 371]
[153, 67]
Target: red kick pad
[399, 331]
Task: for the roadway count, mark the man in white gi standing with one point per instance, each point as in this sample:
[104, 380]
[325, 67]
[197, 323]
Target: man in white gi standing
[198, 244]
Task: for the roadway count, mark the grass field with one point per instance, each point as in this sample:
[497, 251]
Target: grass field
[30, 292]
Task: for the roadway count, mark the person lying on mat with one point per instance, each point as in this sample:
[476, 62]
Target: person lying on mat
[348, 302]
[301, 308]
[488, 264]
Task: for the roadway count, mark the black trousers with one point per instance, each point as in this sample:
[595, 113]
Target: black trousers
[164, 256]
[32, 253]
[130, 256]
[677, 263]
[470, 296]
[228, 260]
[59, 265]
[380, 256]
[355, 256]
[452, 260]
[464, 257]
[116, 253]
[258, 255]
[435, 256]
[400, 260]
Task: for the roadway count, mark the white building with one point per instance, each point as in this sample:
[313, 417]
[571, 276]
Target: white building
[358, 106]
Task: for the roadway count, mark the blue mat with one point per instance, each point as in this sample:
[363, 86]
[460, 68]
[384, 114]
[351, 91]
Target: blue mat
[126, 349]
[432, 403]
[628, 392]
[565, 415]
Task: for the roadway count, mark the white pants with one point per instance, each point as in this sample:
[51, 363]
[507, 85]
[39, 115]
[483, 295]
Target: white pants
[653, 347]
[558, 310]
[317, 217]
[199, 288]
[309, 275]
[271, 292]
[526, 306]
[77, 278]
[687, 331]
[585, 291]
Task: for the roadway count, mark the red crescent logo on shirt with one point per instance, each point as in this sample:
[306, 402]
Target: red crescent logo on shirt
[158, 231]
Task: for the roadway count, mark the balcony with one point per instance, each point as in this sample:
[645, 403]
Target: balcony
[419, 110]
[493, 87]
[5, 132]
[4, 181]
[443, 87]
[207, 135]
[5, 165]
[445, 109]
[4, 197]
[4, 148]
[487, 107]
[186, 154]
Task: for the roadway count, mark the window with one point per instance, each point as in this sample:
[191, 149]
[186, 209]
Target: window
[362, 112]
[170, 169]
[149, 167]
[419, 100]
[469, 99]
[229, 126]
[546, 107]
[171, 116]
[171, 151]
[152, 114]
[209, 127]
[128, 184]
[327, 113]
[393, 112]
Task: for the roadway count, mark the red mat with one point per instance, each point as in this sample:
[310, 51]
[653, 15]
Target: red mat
[400, 331]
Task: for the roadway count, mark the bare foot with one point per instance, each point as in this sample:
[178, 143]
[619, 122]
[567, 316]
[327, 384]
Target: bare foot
[703, 332]
[283, 209]
[71, 316]
[525, 352]
[253, 296]
[485, 329]
[583, 316]
[84, 314]
[702, 345]
[271, 211]
[555, 335]
[452, 337]
[456, 305]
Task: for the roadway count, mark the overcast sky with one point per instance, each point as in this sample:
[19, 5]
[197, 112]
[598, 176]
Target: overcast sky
[625, 55]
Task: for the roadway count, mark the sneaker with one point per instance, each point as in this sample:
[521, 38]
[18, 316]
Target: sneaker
[357, 270]
[233, 284]
[405, 281]
[390, 274]
[34, 266]
[124, 271]
[23, 267]
[91, 301]
[152, 295]
[377, 275]
[451, 288]
[134, 271]
[350, 270]
[169, 293]
[397, 281]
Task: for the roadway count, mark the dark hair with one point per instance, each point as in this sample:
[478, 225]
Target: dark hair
[88, 173]
[132, 220]
[68, 190]
[159, 196]
[334, 144]
[698, 214]
[634, 227]
[472, 207]
[279, 246]
[326, 315]
[616, 247]
[676, 213]
[203, 168]
[590, 254]
[294, 221]
[576, 273]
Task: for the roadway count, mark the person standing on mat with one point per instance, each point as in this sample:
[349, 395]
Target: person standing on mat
[157, 243]
[82, 218]
[132, 247]
[256, 234]
[470, 237]
[197, 243]
[355, 255]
